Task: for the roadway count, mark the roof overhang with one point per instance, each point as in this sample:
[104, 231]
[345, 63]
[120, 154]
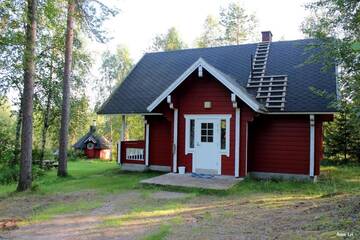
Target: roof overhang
[221, 77]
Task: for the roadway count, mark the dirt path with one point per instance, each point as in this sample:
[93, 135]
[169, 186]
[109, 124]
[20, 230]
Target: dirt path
[202, 217]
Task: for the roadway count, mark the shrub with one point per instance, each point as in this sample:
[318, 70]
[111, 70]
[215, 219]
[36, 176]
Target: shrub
[74, 154]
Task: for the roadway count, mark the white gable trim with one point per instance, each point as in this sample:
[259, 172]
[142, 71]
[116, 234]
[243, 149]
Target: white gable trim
[217, 74]
[90, 139]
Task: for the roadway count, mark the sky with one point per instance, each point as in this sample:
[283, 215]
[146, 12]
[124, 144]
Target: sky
[139, 21]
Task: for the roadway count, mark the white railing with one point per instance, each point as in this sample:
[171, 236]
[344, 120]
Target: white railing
[135, 154]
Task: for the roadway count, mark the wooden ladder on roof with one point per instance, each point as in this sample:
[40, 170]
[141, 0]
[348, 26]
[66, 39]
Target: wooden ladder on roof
[271, 89]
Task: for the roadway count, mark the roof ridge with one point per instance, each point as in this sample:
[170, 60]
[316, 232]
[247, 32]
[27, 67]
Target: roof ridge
[225, 46]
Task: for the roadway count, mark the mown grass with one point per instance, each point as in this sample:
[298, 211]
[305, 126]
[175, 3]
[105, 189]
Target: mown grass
[100, 176]
[61, 208]
[143, 212]
[160, 234]
[106, 177]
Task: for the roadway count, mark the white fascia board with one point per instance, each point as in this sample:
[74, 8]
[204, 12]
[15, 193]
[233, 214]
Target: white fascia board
[298, 113]
[218, 75]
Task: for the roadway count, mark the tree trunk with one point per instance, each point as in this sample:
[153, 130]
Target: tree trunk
[45, 127]
[27, 103]
[46, 115]
[65, 112]
[17, 136]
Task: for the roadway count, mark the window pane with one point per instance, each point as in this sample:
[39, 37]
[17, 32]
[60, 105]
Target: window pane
[192, 132]
[203, 132]
[210, 132]
[203, 138]
[210, 126]
[203, 126]
[210, 139]
[223, 134]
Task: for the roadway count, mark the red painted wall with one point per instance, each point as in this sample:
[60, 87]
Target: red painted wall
[98, 153]
[131, 144]
[246, 116]
[189, 98]
[281, 144]
[160, 141]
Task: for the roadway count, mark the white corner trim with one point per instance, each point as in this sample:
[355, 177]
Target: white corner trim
[147, 131]
[119, 152]
[246, 149]
[217, 74]
[312, 145]
[175, 140]
[237, 141]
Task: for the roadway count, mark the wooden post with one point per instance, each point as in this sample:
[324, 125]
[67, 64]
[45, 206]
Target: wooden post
[147, 131]
[175, 140]
[312, 145]
[122, 137]
[237, 141]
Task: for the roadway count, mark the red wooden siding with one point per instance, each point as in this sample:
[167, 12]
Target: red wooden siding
[98, 153]
[246, 116]
[160, 141]
[131, 144]
[279, 144]
[189, 98]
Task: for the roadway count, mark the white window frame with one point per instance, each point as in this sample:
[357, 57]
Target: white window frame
[219, 117]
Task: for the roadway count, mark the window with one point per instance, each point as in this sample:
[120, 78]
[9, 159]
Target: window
[192, 133]
[207, 132]
[223, 134]
[90, 145]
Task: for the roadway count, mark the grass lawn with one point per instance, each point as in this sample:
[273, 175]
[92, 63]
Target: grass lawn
[114, 200]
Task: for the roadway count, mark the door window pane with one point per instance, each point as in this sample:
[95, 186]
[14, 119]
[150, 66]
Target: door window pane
[223, 134]
[192, 134]
[207, 132]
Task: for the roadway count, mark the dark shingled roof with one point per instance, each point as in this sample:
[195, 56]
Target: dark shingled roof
[156, 71]
[100, 141]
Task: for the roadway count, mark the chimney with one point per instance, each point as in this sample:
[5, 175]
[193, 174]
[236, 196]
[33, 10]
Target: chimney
[93, 127]
[266, 36]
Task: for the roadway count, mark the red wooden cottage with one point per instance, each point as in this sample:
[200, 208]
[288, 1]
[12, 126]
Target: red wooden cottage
[232, 110]
[94, 145]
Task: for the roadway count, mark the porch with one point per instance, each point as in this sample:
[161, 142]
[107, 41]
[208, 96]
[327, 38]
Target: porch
[189, 180]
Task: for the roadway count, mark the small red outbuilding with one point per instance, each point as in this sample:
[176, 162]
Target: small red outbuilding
[94, 146]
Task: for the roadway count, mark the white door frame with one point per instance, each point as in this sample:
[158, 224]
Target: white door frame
[212, 117]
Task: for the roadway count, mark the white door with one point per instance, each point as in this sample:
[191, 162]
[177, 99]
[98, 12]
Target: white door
[207, 146]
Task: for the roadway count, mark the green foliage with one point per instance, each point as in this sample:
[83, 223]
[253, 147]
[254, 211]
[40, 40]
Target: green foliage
[342, 137]
[91, 14]
[75, 155]
[233, 26]
[8, 170]
[114, 68]
[168, 42]
[238, 24]
[211, 35]
[337, 25]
